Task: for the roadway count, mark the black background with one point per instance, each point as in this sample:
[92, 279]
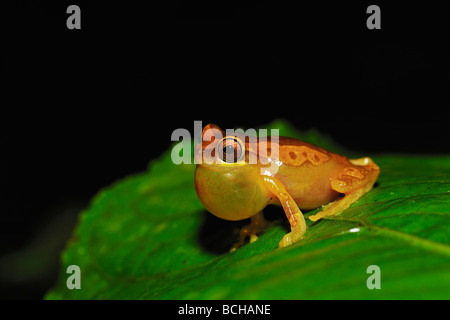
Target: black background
[83, 108]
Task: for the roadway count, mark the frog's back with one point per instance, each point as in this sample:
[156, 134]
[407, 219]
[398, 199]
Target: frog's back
[294, 152]
[307, 171]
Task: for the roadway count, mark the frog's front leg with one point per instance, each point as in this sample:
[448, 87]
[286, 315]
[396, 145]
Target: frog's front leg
[293, 213]
[353, 181]
[257, 225]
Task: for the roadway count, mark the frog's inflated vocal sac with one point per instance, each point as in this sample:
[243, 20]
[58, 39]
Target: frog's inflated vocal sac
[307, 177]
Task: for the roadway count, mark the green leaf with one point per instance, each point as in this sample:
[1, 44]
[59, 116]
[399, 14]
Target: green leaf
[148, 237]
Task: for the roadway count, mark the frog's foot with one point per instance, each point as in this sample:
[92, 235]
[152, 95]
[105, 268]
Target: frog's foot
[295, 235]
[353, 182]
[257, 225]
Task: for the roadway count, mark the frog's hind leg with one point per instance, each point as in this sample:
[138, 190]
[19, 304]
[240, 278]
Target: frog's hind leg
[257, 225]
[353, 182]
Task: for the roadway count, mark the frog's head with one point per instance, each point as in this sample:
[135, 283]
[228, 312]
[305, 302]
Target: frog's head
[228, 184]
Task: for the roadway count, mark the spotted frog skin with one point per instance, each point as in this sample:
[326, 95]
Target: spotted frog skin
[306, 177]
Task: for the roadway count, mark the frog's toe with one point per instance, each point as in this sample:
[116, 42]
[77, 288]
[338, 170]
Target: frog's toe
[325, 212]
[257, 226]
[315, 217]
[245, 232]
[286, 241]
[253, 238]
[290, 238]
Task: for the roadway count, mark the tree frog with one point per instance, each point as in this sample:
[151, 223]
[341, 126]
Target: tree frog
[307, 177]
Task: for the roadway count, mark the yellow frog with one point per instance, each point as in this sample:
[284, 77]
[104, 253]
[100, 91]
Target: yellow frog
[307, 177]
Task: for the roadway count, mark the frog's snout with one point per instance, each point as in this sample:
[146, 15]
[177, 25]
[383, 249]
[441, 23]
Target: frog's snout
[198, 153]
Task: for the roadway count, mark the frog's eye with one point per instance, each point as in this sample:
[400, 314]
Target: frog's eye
[230, 150]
